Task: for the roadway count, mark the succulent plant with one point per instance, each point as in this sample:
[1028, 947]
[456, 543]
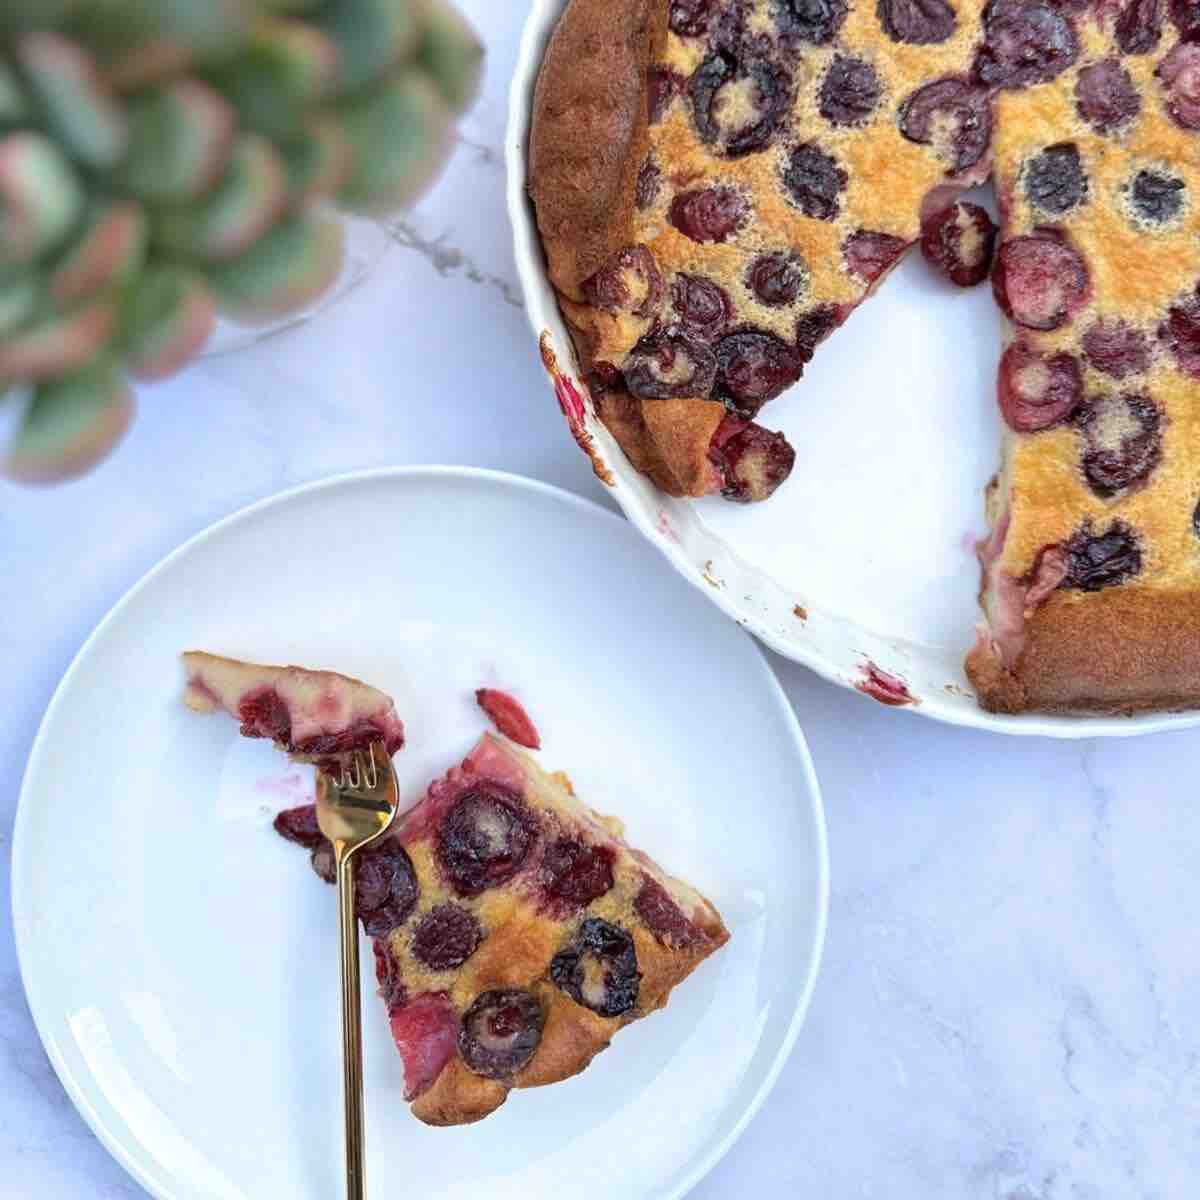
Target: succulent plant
[165, 160]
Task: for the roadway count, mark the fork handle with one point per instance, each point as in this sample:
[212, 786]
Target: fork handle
[352, 1086]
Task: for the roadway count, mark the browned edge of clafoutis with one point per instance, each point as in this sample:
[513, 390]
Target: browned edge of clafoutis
[1137, 650]
[588, 138]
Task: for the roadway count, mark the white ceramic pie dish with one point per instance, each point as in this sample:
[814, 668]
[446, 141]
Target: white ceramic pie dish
[865, 556]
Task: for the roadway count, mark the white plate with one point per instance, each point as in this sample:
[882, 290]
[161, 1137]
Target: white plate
[180, 958]
[871, 540]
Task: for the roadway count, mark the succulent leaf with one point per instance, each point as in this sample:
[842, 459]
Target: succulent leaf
[287, 66]
[318, 159]
[236, 213]
[57, 343]
[19, 299]
[165, 320]
[76, 104]
[401, 134]
[70, 424]
[40, 197]
[372, 36]
[452, 53]
[109, 248]
[283, 271]
[181, 135]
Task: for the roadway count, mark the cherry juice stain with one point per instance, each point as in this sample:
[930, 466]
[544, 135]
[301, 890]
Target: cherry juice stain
[882, 686]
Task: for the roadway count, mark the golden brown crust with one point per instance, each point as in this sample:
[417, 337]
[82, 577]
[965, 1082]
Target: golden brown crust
[458, 1096]
[588, 135]
[1121, 650]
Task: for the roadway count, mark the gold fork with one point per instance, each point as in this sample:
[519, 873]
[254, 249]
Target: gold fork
[352, 812]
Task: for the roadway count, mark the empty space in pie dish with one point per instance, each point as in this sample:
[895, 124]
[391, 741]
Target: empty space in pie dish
[896, 434]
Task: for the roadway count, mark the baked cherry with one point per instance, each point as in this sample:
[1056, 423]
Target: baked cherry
[849, 92]
[1139, 26]
[628, 282]
[777, 280]
[1181, 332]
[710, 214]
[425, 1030]
[1054, 179]
[1105, 96]
[919, 22]
[1037, 391]
[1040, 280]
[662, 86]
[1185, 14]
[954, 117]
[385, 887]
[500, 1032]
[959, 242]
[738, 102]
[662, 916]
[813, 21]
[814, 181]
[1179, 74]
[484, 838]
[814, 327]
[869, 254]
[1100, 560]
[1024, 42]
[649, 183]
[1156, 197]
[598, 968]
[1112, 346]
[446, 936]
[752, 461]
[575, 872]
[264, 714]
[754, 366]
[670, 362]
[299, 825]
[689, 18]
[387, 974]
[702, 306]
[1122, 438]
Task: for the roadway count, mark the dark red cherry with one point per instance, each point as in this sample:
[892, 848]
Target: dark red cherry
[1099, 560]
[484, 838]
[576, 872]
[849, 92]
[1054, 179]
[869, 254]
[702, 306]
[1037, 391]
[670, 362]
[628, 282]
[919, 22]
[446, 936]
[689, 18]
[1156, 197]
[710, 214]
[754, 366]
[777, 280]
[1112, 346]
[814, 181]
[1181, 332]
[1024, 42]
[752, 461]
[662, 86]
[299, 825]
[649, 182]
[814, 327]
[1139, 25]
[1185, 14]
[1179, 74]
[1105, 96]
[1040, 280]
[501, 1032]
[663, 917]
[744, 126]
[815, 22]
[386, 887]
[952, 116]
[598, 968]
[959, 242]
[1122, 438]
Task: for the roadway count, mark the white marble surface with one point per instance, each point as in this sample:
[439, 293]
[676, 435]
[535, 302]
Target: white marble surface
[1008, 1007]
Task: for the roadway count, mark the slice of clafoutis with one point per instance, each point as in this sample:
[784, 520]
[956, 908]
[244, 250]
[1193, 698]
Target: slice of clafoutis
[314, 715]
[515, 931]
